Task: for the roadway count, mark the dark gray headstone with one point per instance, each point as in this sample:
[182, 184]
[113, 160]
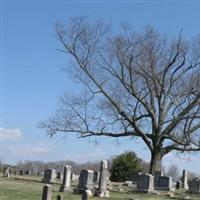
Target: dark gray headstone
[59, 176]
[21, 172]
[47, 192]
[178, 185]
[157, 175]
[145, 183]
[165, 183]
[28, 172]
[134, 177]
[194, 186]
[49, 176]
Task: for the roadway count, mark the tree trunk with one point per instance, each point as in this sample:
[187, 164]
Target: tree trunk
[155, 163]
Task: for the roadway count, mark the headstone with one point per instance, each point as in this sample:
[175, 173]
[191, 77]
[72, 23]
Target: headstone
[16, 172]
[49, 176]
[85, 181]
[59, 197]
[6, 172]
[128, 183]
[165, 183]
[59, 176]
[28, 172]
[21, 172]
[170, 194]
[135, 177]
[102, 190]
[66, 179]
[145, 183]
[178, 185]
[96, 176]
[87, 195]
[194, 186]
[157, 175]
[74, 177]
[47, 192]
[184, 180]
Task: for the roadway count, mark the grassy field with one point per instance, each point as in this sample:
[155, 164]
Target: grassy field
[30, 188]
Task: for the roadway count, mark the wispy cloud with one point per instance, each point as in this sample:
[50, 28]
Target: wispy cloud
[29, 149]
[10, 134]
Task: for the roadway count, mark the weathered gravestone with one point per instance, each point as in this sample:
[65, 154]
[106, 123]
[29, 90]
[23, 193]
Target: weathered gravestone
[157, 175]
[6, 172]
[74, 177]
[194, 186]
[165, 183]
[47, 192]
[16, 172]
[28, 172]
[145, 183]
[96, 176]
[49, 176]
[59, 176]
[85, 181]
[102, 190]
[21, 172]
[184, 180]
[134, 177]
[66, 179]
[128, 183]
[59, 197]
[178, 185]
[87, 195]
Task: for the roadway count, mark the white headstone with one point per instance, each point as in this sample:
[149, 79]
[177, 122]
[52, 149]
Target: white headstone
[66, 179]
[184, 180]
[103, 180]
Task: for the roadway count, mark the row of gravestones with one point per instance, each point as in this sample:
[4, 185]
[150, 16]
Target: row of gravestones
[147, 182]
[86, 185]
[47, 194]
[192, 186]
[7, 172]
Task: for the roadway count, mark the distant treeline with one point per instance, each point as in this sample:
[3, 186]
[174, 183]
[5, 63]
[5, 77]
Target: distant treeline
[39, 166]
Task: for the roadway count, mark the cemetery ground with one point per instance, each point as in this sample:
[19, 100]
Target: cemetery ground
[30, 188]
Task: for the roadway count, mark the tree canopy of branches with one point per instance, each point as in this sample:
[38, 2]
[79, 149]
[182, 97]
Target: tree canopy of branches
[136, 84]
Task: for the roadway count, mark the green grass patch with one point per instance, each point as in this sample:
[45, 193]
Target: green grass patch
[30, 188]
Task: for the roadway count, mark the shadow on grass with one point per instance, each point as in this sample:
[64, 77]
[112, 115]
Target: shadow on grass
[32, 180]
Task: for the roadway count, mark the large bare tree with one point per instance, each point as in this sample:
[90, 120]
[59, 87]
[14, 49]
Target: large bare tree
[134, 85]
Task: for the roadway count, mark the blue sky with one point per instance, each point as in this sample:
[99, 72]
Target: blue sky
[32, 79]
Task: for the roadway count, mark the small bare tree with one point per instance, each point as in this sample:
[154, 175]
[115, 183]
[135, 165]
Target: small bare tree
[136, 85]
[173, 171]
